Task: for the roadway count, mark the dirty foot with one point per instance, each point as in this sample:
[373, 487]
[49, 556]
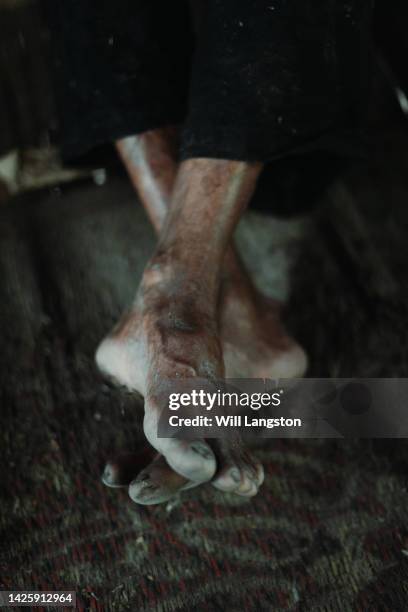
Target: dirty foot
[171, 333]
[254, 340]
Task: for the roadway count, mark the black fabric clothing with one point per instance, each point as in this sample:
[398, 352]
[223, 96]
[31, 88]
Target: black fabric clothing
[272, 76]
[267, 76]
[120, 68]
[252, 80]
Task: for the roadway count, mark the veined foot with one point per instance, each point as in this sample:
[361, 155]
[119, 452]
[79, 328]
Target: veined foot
[172, 333]
[254, 341]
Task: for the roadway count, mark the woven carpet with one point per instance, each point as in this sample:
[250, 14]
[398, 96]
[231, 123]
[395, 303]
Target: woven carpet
[328, 530]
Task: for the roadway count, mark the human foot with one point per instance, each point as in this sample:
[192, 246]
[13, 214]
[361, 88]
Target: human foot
[156, 482]
[168, 336]
[255, 345]
[254, 340]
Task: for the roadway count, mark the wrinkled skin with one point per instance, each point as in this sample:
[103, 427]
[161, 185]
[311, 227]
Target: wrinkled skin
[196, 313]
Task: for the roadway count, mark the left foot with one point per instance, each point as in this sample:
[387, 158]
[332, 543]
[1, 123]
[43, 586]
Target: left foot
[170, 334]
[254, 344]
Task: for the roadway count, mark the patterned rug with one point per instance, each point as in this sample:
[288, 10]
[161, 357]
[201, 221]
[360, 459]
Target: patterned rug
[328, 531]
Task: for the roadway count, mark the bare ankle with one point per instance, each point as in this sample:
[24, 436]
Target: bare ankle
[170, 275]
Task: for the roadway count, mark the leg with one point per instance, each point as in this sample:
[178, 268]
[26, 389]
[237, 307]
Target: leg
[254, 341]
[186, 343]
[248, 319]
[180, 323]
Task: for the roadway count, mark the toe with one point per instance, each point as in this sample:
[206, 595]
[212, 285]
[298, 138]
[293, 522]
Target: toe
[121, 470]
[250, 490]
[192, 459]
[147, 493]
[110, 476]
[239, 472]
[156, 484]
[249, 483]
[228, 479]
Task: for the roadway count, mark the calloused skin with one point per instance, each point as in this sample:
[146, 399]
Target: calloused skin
[196, 313]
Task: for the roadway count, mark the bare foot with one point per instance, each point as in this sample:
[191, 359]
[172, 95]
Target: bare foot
[170, 333]
[254, 340]
[255, 345]
[156, 482]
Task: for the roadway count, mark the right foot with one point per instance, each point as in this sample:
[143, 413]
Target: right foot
[254, 340]
[171, 333]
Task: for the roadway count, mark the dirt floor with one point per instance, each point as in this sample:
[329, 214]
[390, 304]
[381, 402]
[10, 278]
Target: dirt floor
[328, 531]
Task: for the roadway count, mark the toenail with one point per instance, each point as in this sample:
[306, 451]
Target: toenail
[107, 473]
[250, 474]
[201, 449]
[146, 488]
[235, 475]
[248, 483]
[248, 488]
[149, 488]
[145, 495]
[250, 492]
[145, 483]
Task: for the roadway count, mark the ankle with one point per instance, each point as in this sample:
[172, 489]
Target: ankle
[171, 277]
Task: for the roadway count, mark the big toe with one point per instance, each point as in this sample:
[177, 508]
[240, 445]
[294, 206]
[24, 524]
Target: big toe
[156, 484]
[192, 459]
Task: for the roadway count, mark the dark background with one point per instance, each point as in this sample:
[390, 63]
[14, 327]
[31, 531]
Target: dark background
[328, 530]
